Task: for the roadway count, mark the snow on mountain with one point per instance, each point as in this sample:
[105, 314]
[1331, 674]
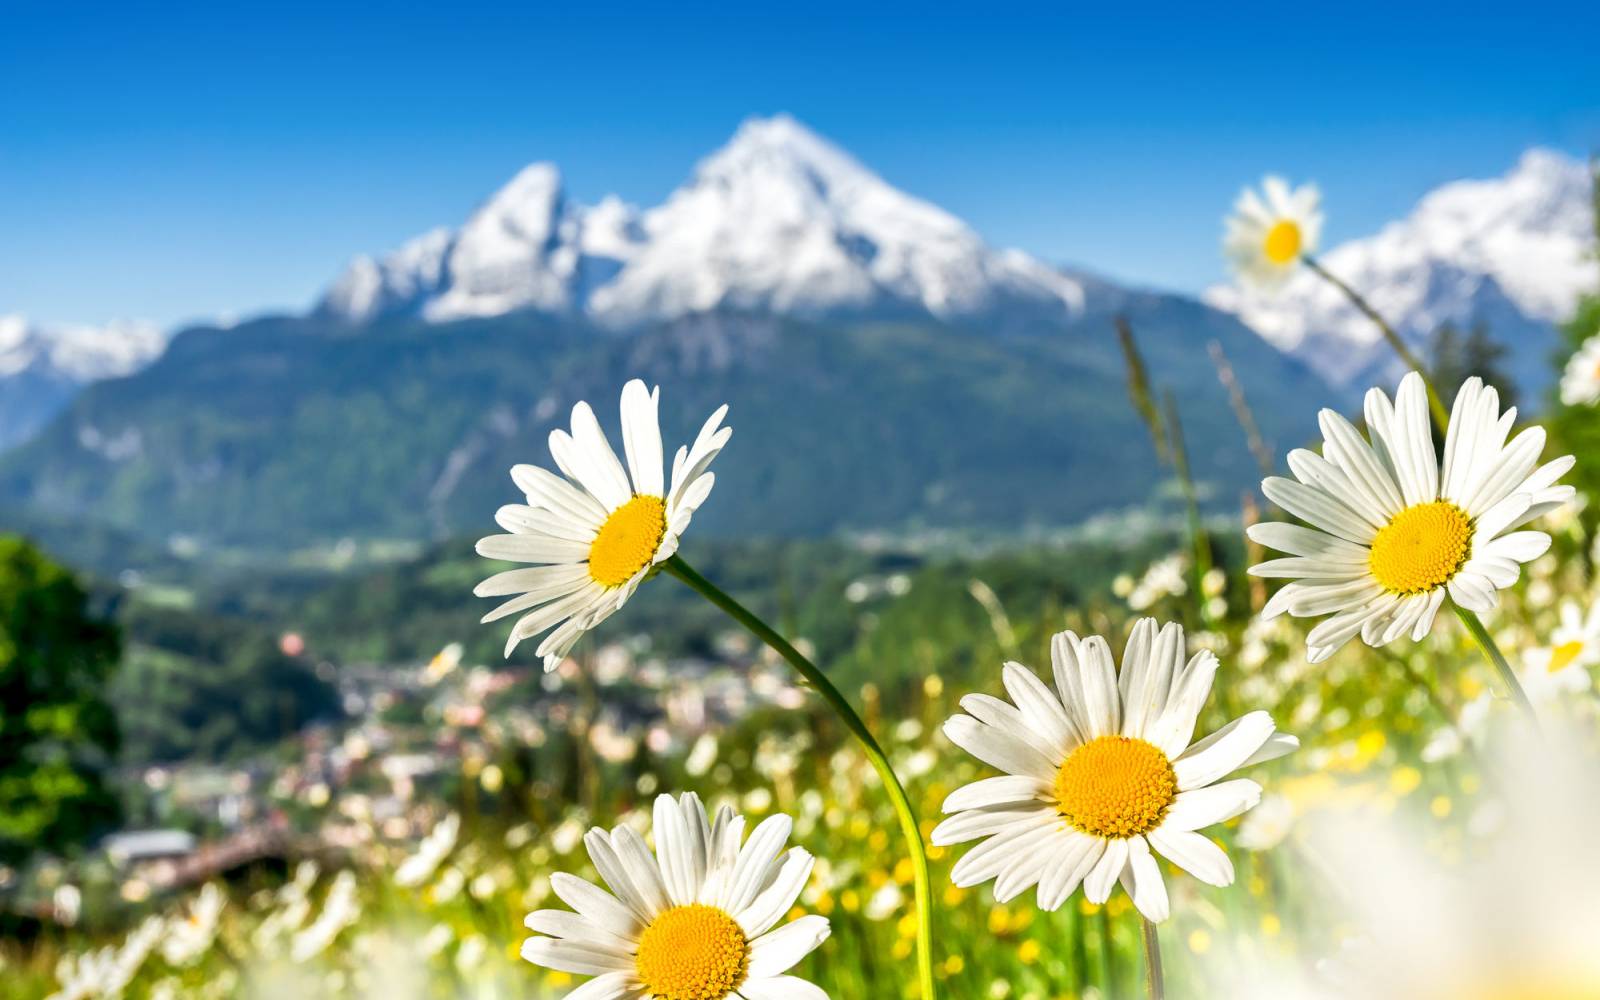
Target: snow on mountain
[1512, 252]
[778, 220]
[78, 353]
[43, 367]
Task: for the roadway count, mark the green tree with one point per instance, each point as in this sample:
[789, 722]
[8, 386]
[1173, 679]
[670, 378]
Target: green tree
[1454, 358]
[58, 734]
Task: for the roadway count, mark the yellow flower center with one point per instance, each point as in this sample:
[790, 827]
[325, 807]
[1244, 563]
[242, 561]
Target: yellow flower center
[1422, 548]
[1115, 787]
[628, 540]
[1282, 245]
[693, 952]
[1563, 655]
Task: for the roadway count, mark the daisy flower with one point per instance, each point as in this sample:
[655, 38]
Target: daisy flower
[1580, 383]
[694, 922]
[1100, 772]
[1575, 644]
[596, 531]
[1269, 232]
[1392, 532]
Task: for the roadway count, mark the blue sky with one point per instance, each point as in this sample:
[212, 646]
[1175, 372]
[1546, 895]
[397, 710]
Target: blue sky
[170, 162]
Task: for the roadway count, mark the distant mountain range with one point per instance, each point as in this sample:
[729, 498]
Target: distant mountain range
[888, 369]
[778, 221]
[1513, 253]
[43, 367]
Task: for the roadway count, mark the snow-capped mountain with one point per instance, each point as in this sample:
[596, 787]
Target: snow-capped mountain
[1512, 252]
[778, 220]
[42, 367]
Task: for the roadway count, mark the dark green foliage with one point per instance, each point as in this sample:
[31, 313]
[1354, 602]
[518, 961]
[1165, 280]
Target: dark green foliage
[58, 734]
[1575, 430]
[210, 687]
[1454, 358]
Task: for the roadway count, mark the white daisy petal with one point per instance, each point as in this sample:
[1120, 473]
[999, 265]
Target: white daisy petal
[1008, 719]
[611, 986]
[1202, 807]
[1143, 883]
[1098, 883]
[574, 956]
[1071, 863]
[1040, 707]
[777, 899]
[572, 926]
[1006, 789]
[776, 953]
[781, 988]
[1196, 854]
[1101, 699]
[596, 905]
[641, 438]
[1223, 751]
[997, 748]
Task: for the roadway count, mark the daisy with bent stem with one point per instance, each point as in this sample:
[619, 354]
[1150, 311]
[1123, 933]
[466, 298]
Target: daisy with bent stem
[1392, 533]
[1270, 233]
[1101, 772]
[694, 922]
[596, 532]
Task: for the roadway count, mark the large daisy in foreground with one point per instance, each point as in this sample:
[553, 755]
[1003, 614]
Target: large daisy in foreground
[1101, 771]
[1391, 532]
[597, 533]
[1268, 233]
[694, 922]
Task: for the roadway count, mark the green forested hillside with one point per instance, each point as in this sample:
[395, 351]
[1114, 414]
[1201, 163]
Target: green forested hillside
[283, 433]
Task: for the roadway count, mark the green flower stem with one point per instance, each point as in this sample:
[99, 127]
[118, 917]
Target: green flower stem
[880, 761]
[1490, 650]
[1155, 983]
[1440, 415]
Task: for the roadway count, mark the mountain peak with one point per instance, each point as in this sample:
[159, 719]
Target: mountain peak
[778, 220]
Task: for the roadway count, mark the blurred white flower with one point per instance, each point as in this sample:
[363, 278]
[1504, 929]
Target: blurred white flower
[1164, 578]
[433, 849]
[191, 935]
[1580, 383]
[1518, 921]
[1267, 825]
[339, 910]
[1268, 233]
[701, 756]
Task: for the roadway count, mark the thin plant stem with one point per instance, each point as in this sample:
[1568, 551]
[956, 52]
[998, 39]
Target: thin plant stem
[1441, 416]
[880, 761]
[1198, 538]
[1492, 651]
[1155, 983]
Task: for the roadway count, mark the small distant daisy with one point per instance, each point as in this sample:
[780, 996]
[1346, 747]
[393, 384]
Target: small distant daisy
[694, 922]
[1268, 233]
[1580, 383]
[1100, 771]
[1563, 666]
[1392, 532]
[597, 533]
